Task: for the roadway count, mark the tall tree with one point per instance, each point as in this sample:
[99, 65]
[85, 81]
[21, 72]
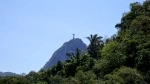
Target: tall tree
[95, 45]
[75, 57]
[73, 62]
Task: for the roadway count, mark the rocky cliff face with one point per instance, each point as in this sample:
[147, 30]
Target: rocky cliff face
[60, 54]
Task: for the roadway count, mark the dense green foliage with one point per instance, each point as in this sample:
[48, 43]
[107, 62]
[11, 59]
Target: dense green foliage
[123, 58]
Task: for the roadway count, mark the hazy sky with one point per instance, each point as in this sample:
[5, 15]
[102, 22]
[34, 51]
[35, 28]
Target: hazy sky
[31, 30]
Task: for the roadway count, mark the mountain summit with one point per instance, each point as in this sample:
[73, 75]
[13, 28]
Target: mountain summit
[60, 54]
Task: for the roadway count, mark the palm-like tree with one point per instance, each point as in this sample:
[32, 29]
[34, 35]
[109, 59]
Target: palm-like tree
[74, 57]
[95, 45]
[72, 63]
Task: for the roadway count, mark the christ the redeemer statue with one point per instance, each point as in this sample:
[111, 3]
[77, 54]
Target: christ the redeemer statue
[73, 36]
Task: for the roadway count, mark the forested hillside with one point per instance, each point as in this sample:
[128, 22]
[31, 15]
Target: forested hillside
[124, 58]
[60, 54]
